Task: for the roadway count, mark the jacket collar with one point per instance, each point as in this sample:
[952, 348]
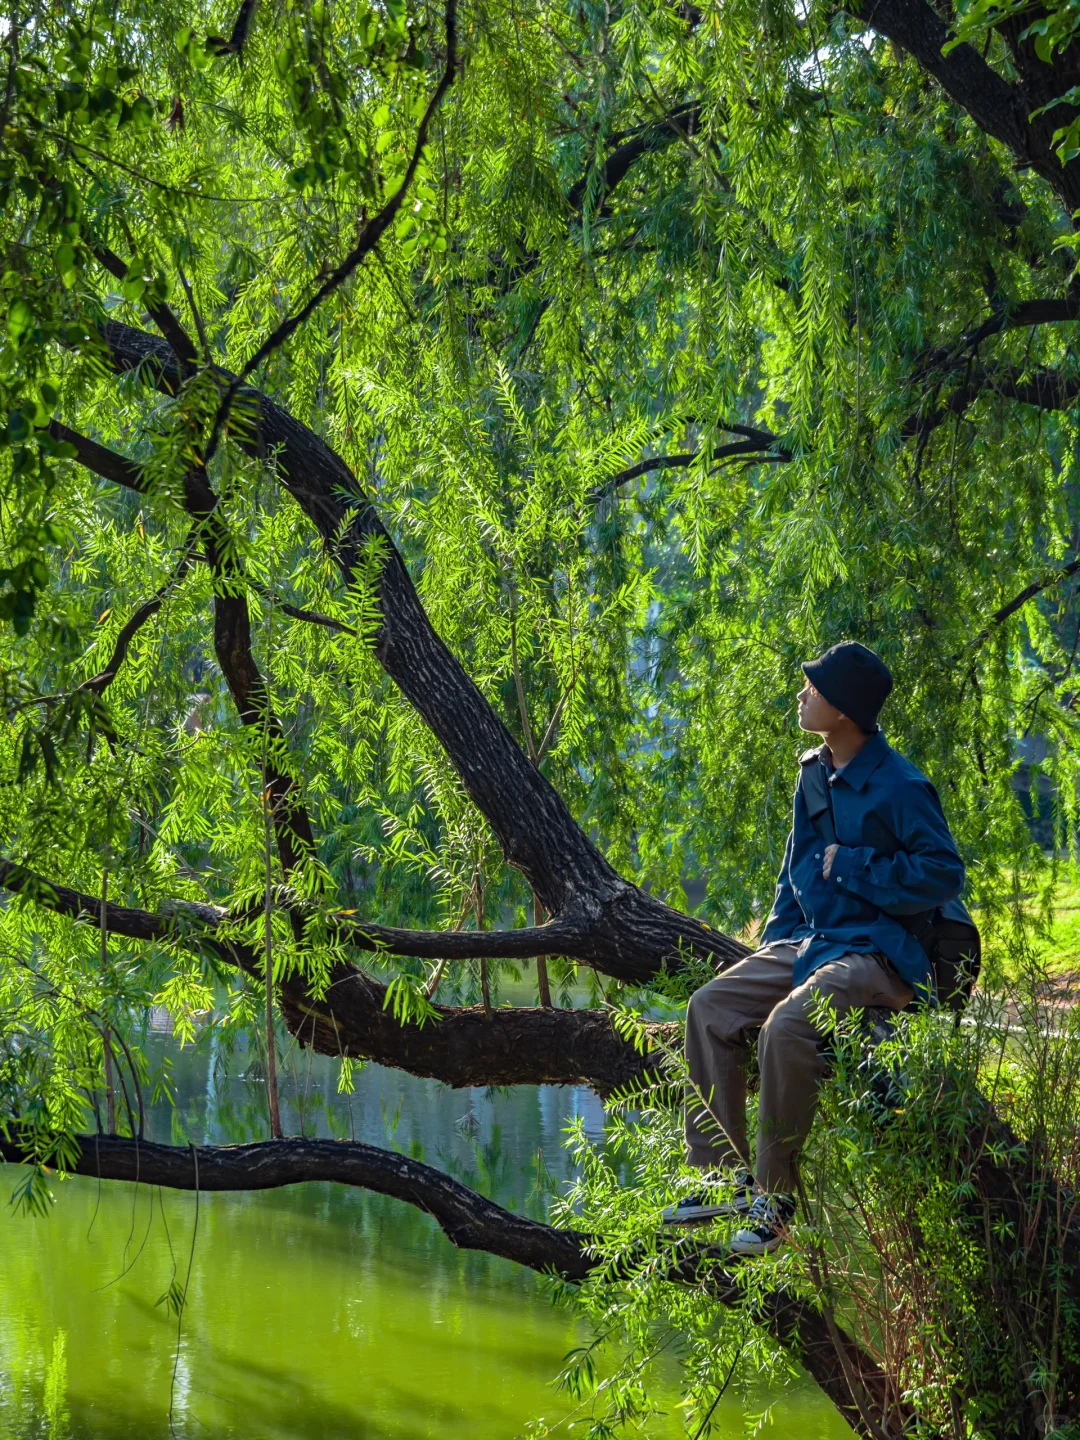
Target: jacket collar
[858, 770]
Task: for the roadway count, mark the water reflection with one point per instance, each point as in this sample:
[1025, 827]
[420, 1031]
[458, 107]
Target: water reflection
[314, 1311]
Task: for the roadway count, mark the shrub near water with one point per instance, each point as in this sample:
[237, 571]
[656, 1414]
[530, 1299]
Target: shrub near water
[960, 1297]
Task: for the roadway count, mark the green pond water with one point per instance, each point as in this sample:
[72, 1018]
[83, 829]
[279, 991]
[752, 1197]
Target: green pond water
[313, 1311]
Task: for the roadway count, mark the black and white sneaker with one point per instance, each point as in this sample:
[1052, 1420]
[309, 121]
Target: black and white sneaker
[766, 1227]
[707, 1204]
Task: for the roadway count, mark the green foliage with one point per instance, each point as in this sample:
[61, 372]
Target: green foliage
[800, 253]
[891, 1238]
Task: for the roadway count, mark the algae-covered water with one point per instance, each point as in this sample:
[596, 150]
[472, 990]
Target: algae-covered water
[314, 1312]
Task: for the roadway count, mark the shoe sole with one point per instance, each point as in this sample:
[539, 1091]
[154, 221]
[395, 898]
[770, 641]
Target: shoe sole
[728, 1210]
[696, 1217]
[757, 1247]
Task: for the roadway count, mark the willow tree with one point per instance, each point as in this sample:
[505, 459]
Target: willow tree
[434, 437]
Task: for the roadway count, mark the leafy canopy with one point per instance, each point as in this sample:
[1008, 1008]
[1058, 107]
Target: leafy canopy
[633, 227]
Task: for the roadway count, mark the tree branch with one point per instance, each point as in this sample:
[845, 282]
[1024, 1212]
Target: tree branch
[352, 1016]
[651, 136]
[1043, 389]
[370, 234]
[113, 466]
[748, 448]
[998, 108]
[619, 930]
[101, 460]
[232, 646]
[234, 45]
[472, 1222]
[556, 938]
[177, 918]
[1026, 313]
[312, 617]
[629, 934]
[1054, 577]
[469, 1220]
[104, 678]
[183, 347]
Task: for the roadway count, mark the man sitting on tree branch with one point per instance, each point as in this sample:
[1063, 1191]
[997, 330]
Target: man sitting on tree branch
[832, 932]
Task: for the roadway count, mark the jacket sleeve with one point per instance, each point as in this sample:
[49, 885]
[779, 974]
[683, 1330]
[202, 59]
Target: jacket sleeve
[927, 870]
[786, 914]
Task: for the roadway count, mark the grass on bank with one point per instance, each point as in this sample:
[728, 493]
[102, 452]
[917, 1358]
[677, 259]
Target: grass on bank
[1059, 950]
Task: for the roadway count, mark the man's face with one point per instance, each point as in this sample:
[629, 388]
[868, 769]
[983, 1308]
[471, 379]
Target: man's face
[815, 712]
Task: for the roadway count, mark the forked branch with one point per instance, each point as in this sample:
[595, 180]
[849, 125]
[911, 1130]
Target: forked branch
[352, 1014]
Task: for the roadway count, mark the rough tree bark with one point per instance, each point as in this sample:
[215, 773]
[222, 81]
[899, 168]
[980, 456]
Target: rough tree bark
[615, 926]
[462, 1046]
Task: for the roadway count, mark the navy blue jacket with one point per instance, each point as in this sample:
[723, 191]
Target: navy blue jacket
[896, 857]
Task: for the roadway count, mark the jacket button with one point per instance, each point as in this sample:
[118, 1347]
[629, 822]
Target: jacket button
[817, 855]
[839, 879]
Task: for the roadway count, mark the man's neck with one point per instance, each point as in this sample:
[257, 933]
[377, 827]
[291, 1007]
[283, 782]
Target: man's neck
[844, 744]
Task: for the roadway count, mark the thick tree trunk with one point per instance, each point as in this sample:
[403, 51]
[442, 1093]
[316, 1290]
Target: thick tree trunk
[998, 107]
[625, 932]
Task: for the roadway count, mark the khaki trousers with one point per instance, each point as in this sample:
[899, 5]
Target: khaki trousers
[756, 993]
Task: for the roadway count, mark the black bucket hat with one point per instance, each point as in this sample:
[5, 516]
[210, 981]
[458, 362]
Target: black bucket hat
[852, 678]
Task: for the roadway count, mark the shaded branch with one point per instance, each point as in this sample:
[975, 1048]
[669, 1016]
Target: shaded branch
[1042, 389]
[183, 347]
[1054, 577]
[232, 648]
[104, 678]
[651, 136]
[111, 465]
[352, 1016]
[1024, 315]
[1017, 317]
[559, 937]
[238, 37]
[100, 682]
[101, 460]
[296, 612]
[313, 617]
[522, 944]
[177, 918]
[759, 442]
[468, 1045]
[999, 109]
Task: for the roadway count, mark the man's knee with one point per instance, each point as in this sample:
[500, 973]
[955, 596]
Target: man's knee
[786, 1023]
[709, 1009]
[702, 999]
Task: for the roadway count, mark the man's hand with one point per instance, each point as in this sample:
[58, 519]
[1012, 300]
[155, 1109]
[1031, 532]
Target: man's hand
[830, 856]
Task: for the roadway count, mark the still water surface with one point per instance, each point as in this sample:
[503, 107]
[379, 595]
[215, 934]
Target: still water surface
[314, 1312]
